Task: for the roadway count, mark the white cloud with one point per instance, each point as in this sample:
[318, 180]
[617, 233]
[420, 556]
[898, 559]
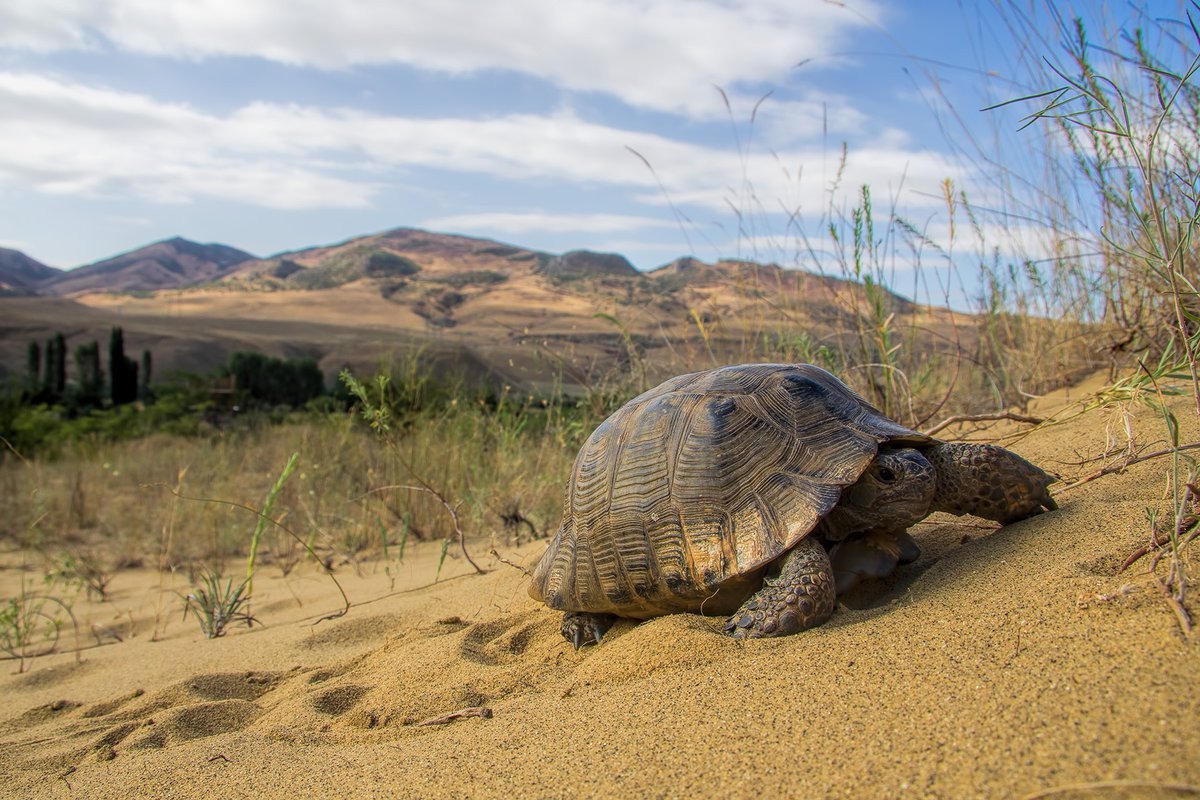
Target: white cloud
[67, 137]
[781, 123]
[663, 55]
[46, 25]
[538, 221]
[133, 221]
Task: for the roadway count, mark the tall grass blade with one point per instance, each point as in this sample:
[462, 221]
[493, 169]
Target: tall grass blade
[288, 469]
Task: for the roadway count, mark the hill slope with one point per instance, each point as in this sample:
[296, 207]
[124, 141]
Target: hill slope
[170, 264]
[20, 274]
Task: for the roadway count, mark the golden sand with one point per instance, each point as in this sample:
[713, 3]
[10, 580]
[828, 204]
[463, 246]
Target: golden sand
[1009, 662]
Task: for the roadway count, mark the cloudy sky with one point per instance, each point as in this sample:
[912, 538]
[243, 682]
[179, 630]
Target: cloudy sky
[655, 128]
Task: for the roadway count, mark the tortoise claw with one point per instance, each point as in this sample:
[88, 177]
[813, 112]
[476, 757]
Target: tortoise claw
[581, 627]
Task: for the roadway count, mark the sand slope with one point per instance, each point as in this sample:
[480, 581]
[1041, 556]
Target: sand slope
[1005, 663]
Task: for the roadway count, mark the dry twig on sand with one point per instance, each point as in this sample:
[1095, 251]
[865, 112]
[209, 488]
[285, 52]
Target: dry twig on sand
[483, 712]
[1128, 462]
[450, 509]
[512, 564]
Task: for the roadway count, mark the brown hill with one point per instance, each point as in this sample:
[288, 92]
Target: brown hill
[170, 264]
[391, 258]
[496, 296]
[506, 315]
[21, 275]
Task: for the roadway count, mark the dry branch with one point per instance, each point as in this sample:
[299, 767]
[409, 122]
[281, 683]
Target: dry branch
[1009, 415]
[514, 565]
[483, 712]
[1129, 462]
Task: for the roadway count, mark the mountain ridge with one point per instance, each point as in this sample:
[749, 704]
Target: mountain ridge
[21, 275]
[173, 263]
[177, 263]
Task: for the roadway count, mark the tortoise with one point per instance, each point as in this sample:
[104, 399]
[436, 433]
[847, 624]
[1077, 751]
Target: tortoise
[758, 491]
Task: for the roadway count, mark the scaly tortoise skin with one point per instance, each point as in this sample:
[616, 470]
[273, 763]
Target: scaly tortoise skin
[760, 491]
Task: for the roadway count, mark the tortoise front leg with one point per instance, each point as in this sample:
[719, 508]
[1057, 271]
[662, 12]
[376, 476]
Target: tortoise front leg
[582, 627]
[801, 596]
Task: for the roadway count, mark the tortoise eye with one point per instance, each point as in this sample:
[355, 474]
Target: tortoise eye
[886, 474]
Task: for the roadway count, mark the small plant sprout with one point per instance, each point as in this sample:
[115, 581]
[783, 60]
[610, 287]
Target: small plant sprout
[216, 605]
[85, 569]
[31, 624]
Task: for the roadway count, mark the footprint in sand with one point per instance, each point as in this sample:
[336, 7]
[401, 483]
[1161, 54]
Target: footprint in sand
[233, 685]
[338, 699]
[346, 632]
[500, 641]
[103, 709]
[197, 722]
[63, 733]
[436, 668]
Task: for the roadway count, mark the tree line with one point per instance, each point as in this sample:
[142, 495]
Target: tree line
[259, 380]
[266, 380]
[46, 375]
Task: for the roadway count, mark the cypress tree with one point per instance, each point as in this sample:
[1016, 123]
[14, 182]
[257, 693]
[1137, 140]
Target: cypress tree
[54, 377]
[116, 363]
[122, 371]
[47, 393]
[143, 391]
[59, 373]
[33, 371]
[129, 381]
[90, 376]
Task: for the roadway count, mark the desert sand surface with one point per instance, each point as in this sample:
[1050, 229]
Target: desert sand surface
[1006, 663]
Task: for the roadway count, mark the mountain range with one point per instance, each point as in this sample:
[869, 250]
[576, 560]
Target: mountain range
[493, 312]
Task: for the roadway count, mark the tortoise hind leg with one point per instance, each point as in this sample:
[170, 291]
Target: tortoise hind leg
[874, 554]
[801, 596]
[583, 627]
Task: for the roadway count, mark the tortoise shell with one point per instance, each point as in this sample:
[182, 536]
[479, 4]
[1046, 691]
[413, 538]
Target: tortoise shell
[682, 498]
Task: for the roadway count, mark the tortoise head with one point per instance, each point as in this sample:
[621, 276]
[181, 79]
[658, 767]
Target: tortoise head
[894, 492]
[988, 481]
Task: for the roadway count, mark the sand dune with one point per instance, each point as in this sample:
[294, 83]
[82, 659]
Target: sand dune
[1006, 662]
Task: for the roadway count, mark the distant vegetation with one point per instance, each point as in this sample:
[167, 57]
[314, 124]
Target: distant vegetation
[46, 383]
[340, 268]
[47, 410]
[474, 277]
[267, 381]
